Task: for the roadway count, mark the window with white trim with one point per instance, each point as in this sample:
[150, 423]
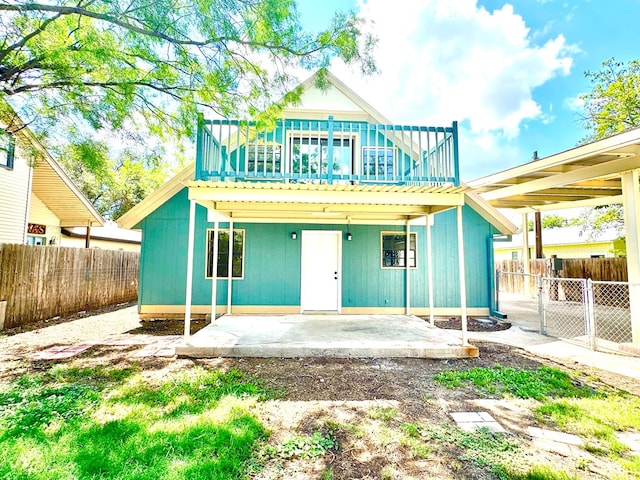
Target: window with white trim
[223, 253]
[394, 250]
[309, 155]
[7, 150]
[379, 161]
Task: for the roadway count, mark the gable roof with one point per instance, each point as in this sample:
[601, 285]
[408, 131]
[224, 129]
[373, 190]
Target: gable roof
[360, 110]
[50, 183]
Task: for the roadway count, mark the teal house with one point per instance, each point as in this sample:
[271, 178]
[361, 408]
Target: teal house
[333, 209]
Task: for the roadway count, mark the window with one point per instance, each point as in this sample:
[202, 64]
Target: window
[7, 150]
[394, 250]
[514, 255]
[310, 155]
[378, 161]
[264, 157]
[223, 253]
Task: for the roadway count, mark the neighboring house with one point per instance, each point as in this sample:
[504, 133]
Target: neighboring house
[37, 199]
[314, 215]
[567, 242]
[109, 237]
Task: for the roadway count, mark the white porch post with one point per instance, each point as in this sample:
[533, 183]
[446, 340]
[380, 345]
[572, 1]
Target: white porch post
[214, 267]
[407, 268]
[463, 280]
[189, 284]
[432, 315]
[230, 268]
[631, 205]
[525, 251]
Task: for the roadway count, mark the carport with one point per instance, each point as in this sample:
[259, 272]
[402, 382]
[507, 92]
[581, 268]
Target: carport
[604, 172]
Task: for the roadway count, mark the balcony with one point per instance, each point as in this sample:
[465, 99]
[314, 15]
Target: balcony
[327, 151]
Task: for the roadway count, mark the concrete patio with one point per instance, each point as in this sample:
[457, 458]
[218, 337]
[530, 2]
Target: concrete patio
[321, 335]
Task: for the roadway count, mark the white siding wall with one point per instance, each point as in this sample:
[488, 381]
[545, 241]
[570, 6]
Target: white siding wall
[14, 196]
[41, 215]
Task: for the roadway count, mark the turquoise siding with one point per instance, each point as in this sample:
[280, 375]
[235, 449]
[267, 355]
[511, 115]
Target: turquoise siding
[272, 262]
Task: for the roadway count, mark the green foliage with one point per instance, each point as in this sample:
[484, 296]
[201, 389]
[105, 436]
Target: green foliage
[596, 419]
[613, 104]
[304, 446]
[110, 62]
[486, 449]
[112, 186]
[542, 473]
[594, 220]
[550, 221]
[540, 383]
[386, 414]
[79, 423]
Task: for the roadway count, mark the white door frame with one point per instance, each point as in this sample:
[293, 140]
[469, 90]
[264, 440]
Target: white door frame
[303, 272]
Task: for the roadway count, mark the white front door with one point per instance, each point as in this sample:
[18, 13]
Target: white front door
[321, 270]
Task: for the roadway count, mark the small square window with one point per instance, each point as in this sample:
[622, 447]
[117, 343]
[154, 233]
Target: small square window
[7, 150]
[223, 254]
[378, 161]
[395, 251]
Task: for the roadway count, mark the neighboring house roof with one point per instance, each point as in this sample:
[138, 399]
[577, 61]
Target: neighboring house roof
[361, 111]
[562, 236]
[50, 183]
[110, 232]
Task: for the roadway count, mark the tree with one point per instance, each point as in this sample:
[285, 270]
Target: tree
[113, 61]
[613, 104]
[551, 221]
[75, 67]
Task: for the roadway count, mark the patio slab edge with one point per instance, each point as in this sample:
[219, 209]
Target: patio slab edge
[290, 351]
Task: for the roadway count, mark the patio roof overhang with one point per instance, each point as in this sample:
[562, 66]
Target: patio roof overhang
[588, 175]
[322, 203]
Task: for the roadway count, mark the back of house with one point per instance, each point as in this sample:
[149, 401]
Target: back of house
[331, 209]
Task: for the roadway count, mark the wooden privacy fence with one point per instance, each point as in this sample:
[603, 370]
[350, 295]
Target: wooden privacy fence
[597, 269]
[38, 282]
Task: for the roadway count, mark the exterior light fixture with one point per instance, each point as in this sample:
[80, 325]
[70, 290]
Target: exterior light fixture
[294, 235]
[349, 237]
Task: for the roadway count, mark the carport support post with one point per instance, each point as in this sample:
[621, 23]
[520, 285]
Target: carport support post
[189, 285]
[526, 267]
[631, 206]
[230, 268]
[463, 280]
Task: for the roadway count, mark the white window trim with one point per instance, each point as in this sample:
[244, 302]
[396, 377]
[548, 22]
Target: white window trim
[206, 252]
[381, 147]
[381, 253]
[353, 136]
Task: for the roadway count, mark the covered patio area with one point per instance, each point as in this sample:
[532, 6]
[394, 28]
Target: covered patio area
[324, 335]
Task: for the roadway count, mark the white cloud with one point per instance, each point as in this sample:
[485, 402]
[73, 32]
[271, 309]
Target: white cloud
[444, 60]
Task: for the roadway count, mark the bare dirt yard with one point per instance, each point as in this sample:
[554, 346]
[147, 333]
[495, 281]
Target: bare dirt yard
[380, 418]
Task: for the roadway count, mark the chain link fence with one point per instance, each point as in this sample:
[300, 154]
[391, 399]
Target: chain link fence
[596, 314]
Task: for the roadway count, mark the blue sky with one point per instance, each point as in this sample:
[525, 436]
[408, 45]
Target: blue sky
[509, 73]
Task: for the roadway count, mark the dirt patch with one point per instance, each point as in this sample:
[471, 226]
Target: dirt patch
[474, 324]
[167, 327]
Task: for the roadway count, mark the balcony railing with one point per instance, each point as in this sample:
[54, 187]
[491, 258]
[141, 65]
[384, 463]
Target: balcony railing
[327, 151]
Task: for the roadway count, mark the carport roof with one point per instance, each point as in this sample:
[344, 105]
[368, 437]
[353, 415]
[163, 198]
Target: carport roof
[588, 175]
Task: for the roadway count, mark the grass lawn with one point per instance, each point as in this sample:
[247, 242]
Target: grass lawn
[109, 423]
[73, 421]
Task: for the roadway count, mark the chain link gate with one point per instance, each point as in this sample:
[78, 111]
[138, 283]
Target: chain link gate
[564, 309]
